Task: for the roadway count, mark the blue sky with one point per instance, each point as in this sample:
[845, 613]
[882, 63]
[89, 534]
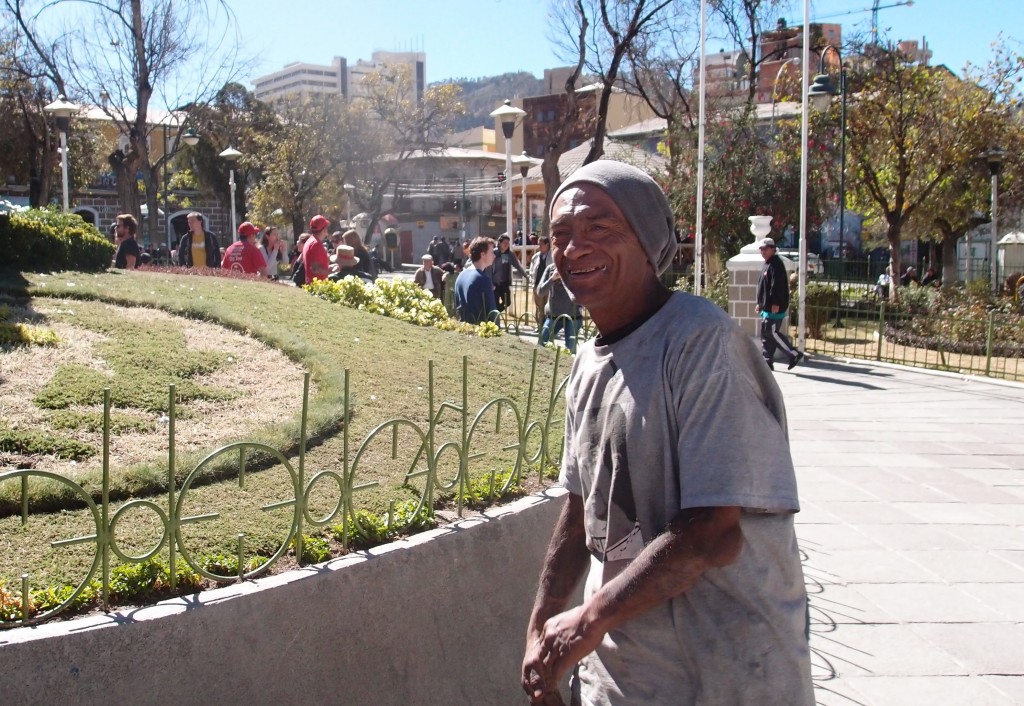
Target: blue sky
[471, 38]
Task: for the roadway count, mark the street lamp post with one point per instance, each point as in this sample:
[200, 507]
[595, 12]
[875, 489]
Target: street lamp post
[994, 159]
[190, 138]
[524, 163]
[508, 115]
[349, 190]
[820, 92]
[232, 155]
[62, 109]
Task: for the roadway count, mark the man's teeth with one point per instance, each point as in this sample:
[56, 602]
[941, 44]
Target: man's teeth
[585, 271]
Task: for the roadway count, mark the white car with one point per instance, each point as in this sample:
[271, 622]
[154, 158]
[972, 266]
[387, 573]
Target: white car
[814, 266]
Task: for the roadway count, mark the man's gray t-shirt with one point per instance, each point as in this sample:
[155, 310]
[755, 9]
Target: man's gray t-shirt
[683, 413]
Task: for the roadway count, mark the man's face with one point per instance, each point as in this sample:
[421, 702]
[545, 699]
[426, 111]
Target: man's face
[486, 259]
[596, 252]
[120, 232]
[767, 252]
[544, 246]
[503, 245]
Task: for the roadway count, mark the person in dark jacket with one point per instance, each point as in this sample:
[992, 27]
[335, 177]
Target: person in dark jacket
[198, 247]
[772, 303]
[501, 272]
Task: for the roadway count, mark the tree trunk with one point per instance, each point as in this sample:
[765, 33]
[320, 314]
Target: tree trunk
[893, 236]
[949, 241]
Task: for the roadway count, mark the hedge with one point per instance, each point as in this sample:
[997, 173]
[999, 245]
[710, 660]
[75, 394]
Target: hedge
[45, 240]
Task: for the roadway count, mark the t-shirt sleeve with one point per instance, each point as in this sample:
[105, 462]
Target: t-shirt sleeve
[732, 448]
[569, 476]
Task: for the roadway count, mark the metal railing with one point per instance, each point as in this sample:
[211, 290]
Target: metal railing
[992, 346]
[537, 443]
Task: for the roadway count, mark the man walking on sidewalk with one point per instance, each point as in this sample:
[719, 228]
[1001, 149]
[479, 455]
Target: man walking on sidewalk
[772, 303]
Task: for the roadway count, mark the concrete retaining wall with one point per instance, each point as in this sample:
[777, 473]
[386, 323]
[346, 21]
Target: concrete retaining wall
[436, 619]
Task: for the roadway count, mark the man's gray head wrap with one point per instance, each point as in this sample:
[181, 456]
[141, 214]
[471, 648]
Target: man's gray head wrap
[640, 199]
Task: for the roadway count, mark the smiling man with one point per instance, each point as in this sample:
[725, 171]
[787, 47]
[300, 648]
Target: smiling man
[681, 485]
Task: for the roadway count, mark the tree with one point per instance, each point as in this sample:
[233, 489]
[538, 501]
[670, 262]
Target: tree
[300, 161]
[745, 22]
[962, 199]
[395, 126]
[120, 56]
[598, 35]
[914, 134]
[751, 169]
[234, 118]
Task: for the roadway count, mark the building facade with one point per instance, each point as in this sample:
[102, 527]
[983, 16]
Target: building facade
[300, 80]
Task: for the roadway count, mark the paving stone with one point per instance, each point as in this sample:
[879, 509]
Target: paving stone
[1007, 598]
[925, 691]
[961, 567]
[871, 513]
[1012, 687]
[882, 650]
[915, 536]
[949, 512]
[984, 648]
[928, 603]
[857, 566]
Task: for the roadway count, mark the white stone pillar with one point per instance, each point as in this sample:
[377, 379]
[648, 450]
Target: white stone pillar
[744, 271]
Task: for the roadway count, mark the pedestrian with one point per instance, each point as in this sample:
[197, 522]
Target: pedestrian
[501, 272]
[538, 264]
[343, 263]
[243, 255]
[428, 276]
[274, 251]
[681, 489]
[772, 303]
[314, 255]
[198, 247]
[474, 291]
[128, 255]
[365, 263]
[560, 309]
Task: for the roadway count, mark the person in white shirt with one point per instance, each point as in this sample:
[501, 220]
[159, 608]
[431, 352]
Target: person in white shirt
[274, 250]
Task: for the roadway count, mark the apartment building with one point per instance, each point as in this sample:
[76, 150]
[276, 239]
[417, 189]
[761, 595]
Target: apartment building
[728, 71]
[302, 80]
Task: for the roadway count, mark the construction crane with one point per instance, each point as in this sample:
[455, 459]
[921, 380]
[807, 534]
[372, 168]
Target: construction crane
[875, 7]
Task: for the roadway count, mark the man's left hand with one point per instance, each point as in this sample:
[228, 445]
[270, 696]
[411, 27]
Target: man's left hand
[566, 639]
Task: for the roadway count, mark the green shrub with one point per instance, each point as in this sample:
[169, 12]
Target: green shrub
[31, 442]
[397, 299]
[48, 240]
[314, 549]
[822, 300]
[376, 529]
[227, 564]
[716, 288]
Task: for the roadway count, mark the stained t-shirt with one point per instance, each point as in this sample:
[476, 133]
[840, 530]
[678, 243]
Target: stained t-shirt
[314, 253]
[683, 413]
[243, 256]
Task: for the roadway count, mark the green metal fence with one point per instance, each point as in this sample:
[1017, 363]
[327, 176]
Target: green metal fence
[537, 441]
[992, 346]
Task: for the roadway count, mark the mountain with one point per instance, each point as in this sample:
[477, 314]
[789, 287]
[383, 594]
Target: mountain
[482, 95]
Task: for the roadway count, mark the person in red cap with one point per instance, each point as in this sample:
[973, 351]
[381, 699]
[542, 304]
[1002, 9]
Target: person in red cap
[244, 256]
[314, 256]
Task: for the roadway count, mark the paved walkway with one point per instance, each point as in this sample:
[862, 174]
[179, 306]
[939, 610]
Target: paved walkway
[912, 487]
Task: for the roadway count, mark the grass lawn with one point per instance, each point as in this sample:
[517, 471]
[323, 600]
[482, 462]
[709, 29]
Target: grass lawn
[388, 364]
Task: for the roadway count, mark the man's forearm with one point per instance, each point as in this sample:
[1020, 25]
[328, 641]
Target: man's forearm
[564, 564]
[697, 540]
